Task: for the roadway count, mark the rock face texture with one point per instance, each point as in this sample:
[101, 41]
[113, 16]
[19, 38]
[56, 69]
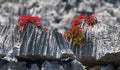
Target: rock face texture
[47, 43]
[38, 50]
[58, 14]
[47, 65]
[100, 39]
[112, 59]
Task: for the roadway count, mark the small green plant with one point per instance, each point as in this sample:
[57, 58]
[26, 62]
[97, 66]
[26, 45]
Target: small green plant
[84, 66]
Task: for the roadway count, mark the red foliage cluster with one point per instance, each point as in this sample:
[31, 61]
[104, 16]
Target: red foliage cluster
[76, 33]
[91, 19]
[28, 19]
[45, 29]
[23, 20]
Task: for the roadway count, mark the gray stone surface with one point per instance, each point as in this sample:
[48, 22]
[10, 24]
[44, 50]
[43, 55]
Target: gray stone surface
[47, 65]
[113, 59]
[72, 65]
[108, 67]
[5, 65]
[47, 43]
[100, 39]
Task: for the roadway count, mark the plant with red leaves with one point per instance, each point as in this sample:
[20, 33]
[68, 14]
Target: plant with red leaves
[23, 20]
[28, 19]
[77, 33]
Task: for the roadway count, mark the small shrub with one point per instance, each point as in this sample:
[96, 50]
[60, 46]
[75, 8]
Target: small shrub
[23, 20]
[76, 32]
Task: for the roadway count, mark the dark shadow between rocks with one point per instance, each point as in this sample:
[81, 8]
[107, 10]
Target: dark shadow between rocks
[110, 58]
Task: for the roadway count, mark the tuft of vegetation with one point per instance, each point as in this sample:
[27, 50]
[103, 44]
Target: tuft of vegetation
[2, 55]
[77, 30]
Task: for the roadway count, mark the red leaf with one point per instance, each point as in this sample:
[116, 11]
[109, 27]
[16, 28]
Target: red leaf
[91, 19]
[81, 17]
[20, 24]
[45, 29]
[23, 18]
[36, 23]
[75, 21]
[35, 18]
